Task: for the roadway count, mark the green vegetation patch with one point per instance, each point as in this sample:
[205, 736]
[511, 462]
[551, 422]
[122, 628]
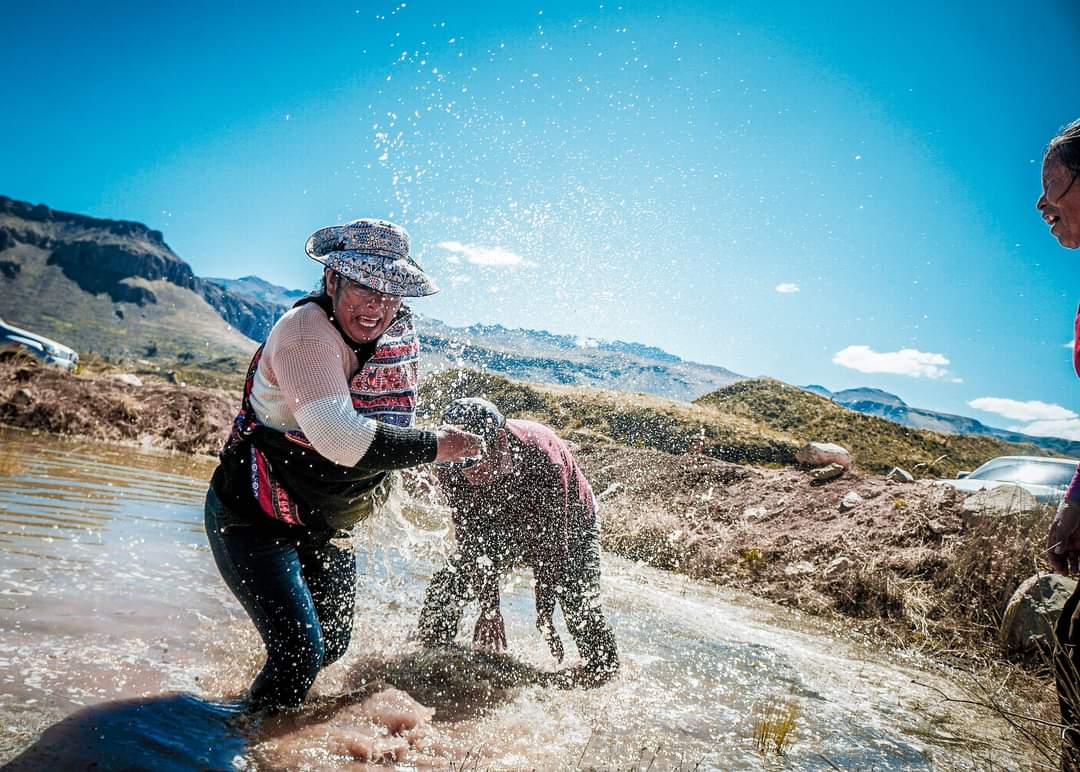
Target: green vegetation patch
[877, 444]
[634, 420]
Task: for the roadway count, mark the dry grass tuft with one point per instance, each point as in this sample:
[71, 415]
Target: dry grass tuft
[774, 729]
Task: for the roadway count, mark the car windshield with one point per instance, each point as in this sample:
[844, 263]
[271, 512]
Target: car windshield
[1054, 473]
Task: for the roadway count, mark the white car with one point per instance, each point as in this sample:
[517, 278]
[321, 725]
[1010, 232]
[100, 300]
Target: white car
[1045, 478]
[45, 349]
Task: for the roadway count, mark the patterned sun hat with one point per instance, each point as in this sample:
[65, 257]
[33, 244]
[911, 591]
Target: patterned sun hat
[371, 252]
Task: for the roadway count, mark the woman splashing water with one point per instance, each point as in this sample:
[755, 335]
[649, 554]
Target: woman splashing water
[327, 413]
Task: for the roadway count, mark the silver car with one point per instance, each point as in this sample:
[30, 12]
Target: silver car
[45, 349]
[1045, 478]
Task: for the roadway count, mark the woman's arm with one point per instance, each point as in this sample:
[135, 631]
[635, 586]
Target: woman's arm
[312, 379]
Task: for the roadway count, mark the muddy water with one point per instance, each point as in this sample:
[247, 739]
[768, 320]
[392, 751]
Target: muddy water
[119, 643]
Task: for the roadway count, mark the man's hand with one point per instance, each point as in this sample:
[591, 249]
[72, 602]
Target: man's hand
[490, 632]
[546, 626]
[1063, 540]
[458, 445]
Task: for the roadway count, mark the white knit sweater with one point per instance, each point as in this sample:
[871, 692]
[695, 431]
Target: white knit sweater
[302, 383]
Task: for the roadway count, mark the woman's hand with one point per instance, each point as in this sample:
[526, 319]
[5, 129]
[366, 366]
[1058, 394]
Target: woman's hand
[457, 445]
[490, 632]
[1063, 540]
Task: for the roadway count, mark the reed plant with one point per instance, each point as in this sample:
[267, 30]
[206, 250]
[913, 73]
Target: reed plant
[775, 727]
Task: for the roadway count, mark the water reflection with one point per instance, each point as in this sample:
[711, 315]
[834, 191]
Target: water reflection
[109, 601]
[172, 732]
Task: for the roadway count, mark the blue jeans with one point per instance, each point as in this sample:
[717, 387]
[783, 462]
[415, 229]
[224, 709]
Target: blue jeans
[299, 591]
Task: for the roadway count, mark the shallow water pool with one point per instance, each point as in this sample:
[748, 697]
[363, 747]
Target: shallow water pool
[120, 644]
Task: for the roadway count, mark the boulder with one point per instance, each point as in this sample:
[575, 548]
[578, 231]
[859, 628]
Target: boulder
[800, 568]
[830, 472]
[851, 500]
[1000, 501]
[943, 527]
[129, 378]
[900, 475]
[1033, 610]
[822, 454]
[755, 513]
[22, 398]
[838, 566]
[610, 491]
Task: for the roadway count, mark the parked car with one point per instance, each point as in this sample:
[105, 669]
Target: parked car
[1045, 478]
[45, 349]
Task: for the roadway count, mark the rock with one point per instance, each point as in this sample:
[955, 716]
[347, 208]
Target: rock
[129, 378]
[900, 475]
[800, 568]
[830, 472]
[940, 527]
[851, 500]
[1032, 611]
[838, 565]
[21, 398]
[755, 513]
[609, 491]
[823, 453]
[1000, 501]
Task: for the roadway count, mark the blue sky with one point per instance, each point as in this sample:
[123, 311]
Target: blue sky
[658, 172]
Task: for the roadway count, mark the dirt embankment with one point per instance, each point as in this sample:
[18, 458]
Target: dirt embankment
[163, 415]
[902, 557]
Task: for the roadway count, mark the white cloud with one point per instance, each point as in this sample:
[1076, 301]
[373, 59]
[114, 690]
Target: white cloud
[1067, 428]
[1032, 410]
[457, 280]
[908, 361]
[477, 255]
[787, 288]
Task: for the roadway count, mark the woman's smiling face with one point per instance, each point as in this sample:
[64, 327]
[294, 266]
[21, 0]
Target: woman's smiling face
[1059, 203]
[363, 313]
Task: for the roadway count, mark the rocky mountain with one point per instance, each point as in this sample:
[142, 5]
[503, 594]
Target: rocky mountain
[882, 404]
[539, 356]
[115, 287]
[260, 290]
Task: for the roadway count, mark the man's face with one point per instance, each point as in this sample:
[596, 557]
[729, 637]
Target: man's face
[492, 466]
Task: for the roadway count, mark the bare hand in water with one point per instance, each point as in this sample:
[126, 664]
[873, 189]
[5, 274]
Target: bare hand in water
[458, 445]
[490, 632]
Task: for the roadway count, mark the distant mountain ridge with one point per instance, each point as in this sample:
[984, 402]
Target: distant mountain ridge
[115, 287]
[539, 356]
[881, 403]
[256, 288]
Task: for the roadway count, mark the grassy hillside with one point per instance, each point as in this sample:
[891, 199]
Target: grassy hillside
[876, 443]
[637, 420]
[758, 421]
[109, 287]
